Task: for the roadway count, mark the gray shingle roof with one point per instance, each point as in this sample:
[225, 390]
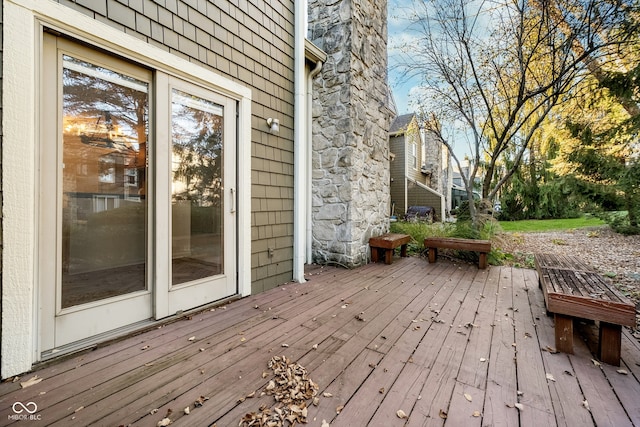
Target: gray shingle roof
[400, 124]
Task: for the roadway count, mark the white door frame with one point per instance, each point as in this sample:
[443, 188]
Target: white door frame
[22, 35]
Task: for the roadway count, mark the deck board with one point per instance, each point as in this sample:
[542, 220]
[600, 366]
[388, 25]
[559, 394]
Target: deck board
[428, 339]
[565, 391]
[502, 384]
[532, 376]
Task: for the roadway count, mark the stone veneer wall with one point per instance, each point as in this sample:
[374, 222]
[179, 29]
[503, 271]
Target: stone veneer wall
[351, 119]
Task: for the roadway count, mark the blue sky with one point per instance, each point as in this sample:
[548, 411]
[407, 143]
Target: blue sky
[398, 33]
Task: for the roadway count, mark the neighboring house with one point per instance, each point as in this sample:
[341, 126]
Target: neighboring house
[458, 189]
[156, 158]
[412, 179]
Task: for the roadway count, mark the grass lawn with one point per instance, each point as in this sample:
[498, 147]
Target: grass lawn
[539, 225]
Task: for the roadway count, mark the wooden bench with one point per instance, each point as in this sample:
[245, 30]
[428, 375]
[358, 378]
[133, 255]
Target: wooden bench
[387, 243]
[572, 290]
[481, 246]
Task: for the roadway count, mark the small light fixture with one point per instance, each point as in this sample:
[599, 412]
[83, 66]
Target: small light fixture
[274, 125]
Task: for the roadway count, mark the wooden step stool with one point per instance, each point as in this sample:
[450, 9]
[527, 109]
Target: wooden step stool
[387, 243]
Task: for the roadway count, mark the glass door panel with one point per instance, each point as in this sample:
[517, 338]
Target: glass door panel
[196, 188]
[104, 158]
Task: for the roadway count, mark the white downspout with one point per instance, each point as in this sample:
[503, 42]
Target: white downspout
[299, 146]
[309, 234]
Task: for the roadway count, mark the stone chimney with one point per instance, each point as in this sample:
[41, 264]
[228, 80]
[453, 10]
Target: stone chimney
[351, 119]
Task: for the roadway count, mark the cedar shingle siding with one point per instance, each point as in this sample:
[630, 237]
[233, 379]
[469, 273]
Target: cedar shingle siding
[397, 171]
[251, 43]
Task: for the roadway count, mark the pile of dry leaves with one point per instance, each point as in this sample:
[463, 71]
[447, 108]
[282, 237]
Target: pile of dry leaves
[291, 388]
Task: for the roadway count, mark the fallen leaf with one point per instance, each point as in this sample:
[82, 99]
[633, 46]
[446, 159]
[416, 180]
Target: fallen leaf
[401, 414]
[622, 371]
[339, 409]
[519, 406]
[595, 362]
[193, 338]
[325, 423]
[243, 339]
[586, 405]
[327, 394]
[550, 377]
[520, 393]
[144, 348]
[252, 394]
[285, 345]
[200, 401]
[164, 422]
[79, 409]
[443, 414]
[568, 373]
[551, 350]
[153, 411]
[186, 410]
[381, 391]
[482, 359]
[476, 414]
[468, 397]
[31, 381]
[315, 346]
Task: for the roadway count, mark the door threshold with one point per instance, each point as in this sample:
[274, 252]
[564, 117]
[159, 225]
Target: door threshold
[96, 340]
[101, 340]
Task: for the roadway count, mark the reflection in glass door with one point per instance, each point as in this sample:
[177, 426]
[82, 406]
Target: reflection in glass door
[131, 229]
[104, 208]
[196, 196]
[93, 210]
[201, 161]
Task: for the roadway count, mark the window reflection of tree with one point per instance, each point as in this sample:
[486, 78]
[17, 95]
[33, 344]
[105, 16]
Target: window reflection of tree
[106, 114]
[197, 148]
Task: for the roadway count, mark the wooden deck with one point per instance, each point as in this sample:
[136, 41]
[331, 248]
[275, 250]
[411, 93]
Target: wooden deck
[441, 342]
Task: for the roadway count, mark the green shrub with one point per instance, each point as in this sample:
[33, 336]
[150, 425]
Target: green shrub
[619, 222]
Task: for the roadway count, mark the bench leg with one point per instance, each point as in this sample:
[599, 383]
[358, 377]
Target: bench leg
[403, 251]
[433, 255]
[564, 333]
[482, 262]
[388, 256]
[609, 343]
[374, 254]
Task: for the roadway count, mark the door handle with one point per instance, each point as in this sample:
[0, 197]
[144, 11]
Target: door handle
[233, 200]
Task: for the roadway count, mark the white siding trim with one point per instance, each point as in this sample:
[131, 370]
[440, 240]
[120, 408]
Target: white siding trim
[19, 118]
